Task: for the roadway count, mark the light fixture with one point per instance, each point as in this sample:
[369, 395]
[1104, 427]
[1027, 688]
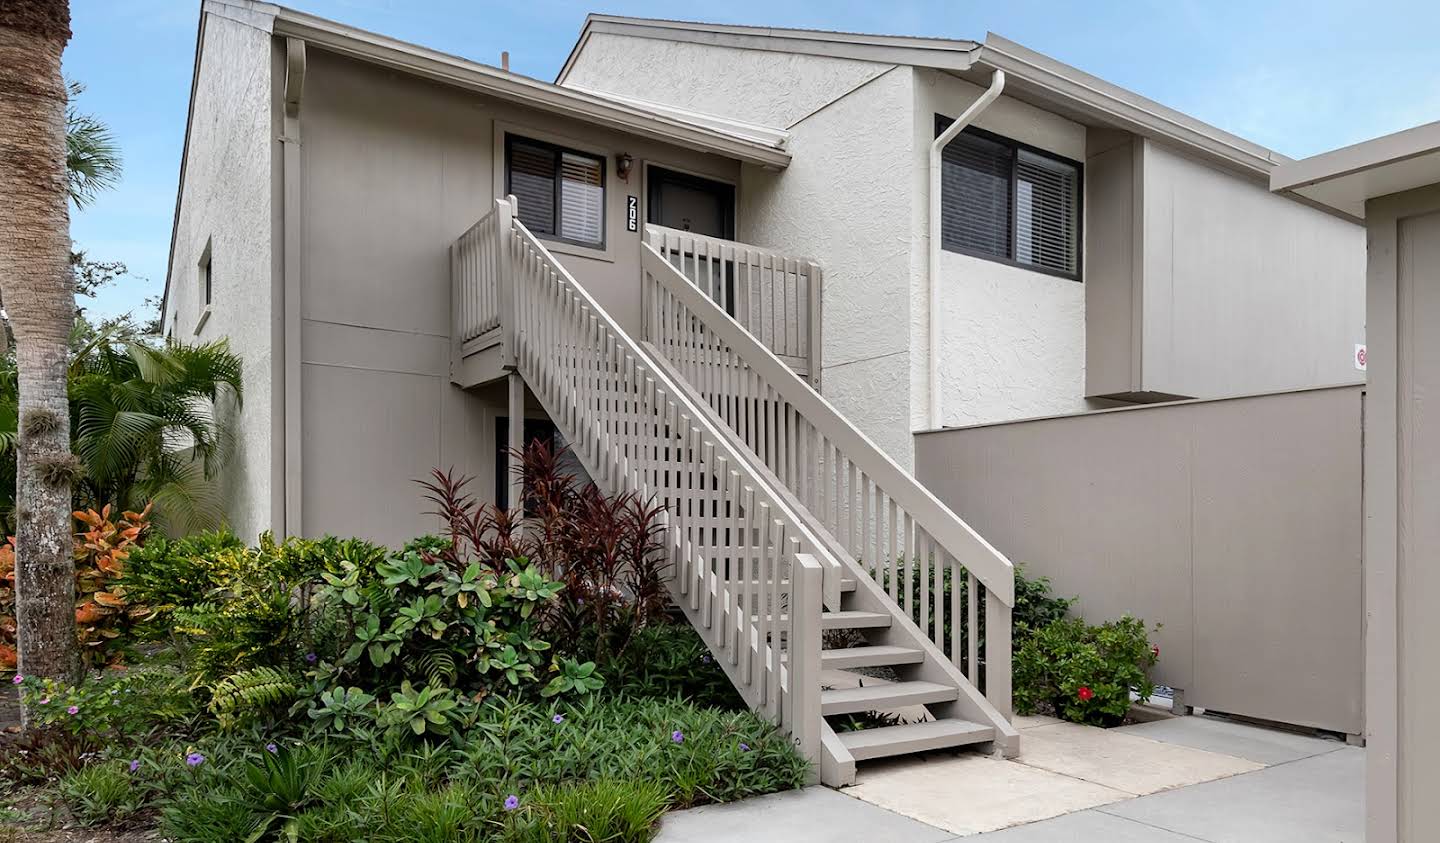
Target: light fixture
[623, 165]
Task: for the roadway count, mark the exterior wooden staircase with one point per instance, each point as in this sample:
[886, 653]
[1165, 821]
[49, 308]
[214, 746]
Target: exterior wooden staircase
[784, 526]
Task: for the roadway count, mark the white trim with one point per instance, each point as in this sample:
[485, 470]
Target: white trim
[452, 70]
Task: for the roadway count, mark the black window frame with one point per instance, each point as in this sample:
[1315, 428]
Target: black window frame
[559, 150]
[207, 278]
[942, 123]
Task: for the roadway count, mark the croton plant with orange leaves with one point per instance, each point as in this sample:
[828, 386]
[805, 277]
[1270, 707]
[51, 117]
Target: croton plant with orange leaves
[102, 614]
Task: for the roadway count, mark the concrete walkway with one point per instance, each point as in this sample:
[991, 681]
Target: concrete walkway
[1186, 779]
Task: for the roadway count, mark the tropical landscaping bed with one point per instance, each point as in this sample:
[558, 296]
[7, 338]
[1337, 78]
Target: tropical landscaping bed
[487, 683]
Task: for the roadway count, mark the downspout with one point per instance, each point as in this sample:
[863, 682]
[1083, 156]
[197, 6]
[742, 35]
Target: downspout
[937, 149]
[292, 216]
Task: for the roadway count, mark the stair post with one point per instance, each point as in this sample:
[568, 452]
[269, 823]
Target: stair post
[505, 278]
[803, 662]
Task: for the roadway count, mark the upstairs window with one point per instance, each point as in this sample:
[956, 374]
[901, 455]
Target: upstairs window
[561, 192]
[1009, 202]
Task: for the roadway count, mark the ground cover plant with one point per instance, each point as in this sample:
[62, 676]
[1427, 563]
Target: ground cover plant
[484, 683]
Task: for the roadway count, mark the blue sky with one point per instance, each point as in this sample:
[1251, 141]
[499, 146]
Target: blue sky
[1299, 77]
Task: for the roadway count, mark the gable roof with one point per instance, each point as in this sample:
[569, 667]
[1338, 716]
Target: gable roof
[1031, 77]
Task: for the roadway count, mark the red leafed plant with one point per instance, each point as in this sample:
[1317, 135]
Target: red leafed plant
[607, 550]
[102, 613]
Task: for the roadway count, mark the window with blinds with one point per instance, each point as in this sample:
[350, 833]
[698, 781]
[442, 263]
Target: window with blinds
[560, 193]
[1002, 200]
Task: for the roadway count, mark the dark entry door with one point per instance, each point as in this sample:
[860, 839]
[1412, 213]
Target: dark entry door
[690, 203]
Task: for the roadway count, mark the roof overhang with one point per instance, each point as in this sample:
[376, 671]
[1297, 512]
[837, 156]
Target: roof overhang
[1345, 178]
[886, 49]
[492, 81]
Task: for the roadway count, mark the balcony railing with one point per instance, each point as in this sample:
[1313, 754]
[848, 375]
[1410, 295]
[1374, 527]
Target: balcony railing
[773, 296]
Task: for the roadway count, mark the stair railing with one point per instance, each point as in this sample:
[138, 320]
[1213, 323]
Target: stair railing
[775, 297]
[923, 555]
[743, 566]
[474, 270]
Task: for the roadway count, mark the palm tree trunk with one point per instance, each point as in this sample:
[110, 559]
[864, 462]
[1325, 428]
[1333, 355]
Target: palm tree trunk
[40, 299]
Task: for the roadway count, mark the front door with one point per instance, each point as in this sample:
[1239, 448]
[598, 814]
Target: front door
[690, 203]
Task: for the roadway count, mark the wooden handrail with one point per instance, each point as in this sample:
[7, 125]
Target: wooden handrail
[949, 530]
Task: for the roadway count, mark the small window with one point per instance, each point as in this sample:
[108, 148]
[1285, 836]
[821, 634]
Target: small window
[561, 192]
[1006, 201]
[207, 278]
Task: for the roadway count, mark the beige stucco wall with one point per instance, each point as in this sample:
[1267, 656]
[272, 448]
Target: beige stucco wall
[1236, 524]
[1012, 340]
[1243, 290]
[226, 202]
[1402, 498]
[846, 200]
[772, 89]
[395, 169]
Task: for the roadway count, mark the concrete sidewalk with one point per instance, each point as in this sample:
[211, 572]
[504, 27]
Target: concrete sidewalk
[1187, 779]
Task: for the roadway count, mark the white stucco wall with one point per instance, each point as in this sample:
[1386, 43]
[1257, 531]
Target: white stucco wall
[226, 202]
[1012, 341]
[1244, 291]
[846, 200]
[772, 89]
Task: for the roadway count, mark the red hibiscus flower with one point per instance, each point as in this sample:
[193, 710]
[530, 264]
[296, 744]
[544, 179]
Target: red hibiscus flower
[1085, 694]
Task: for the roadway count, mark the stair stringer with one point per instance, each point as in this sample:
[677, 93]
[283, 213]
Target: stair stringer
[869, 596]
[836, 765]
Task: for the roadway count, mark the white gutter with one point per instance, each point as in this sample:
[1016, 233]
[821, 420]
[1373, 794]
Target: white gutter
[937, 149]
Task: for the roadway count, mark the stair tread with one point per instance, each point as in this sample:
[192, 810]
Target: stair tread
[852, 619]
[914, 737]
[884, 696]
[874, 656]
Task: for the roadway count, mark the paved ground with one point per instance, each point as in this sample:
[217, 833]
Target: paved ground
[1173, 781]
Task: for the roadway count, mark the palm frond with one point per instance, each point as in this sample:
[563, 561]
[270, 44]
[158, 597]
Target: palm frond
[92, 157]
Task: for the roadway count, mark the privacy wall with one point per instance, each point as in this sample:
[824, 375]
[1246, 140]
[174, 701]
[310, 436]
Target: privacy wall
[1234, 523]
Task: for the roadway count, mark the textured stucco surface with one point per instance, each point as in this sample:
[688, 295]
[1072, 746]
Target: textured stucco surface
[772, 89]
[846, 200]
[1012, 341]
[396, 168]
[1013, 344]
[225, 200]
[1244, 291]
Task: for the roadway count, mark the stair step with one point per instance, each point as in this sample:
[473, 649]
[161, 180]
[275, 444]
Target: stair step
[842, 620]
[849, 619]
[884, 697]
[847, 584]
[878, 656]
[914, 737]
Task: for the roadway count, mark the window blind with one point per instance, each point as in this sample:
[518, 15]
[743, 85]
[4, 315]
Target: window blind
[975, 196]
[1003, 200]
[532, 180]
[582, 198]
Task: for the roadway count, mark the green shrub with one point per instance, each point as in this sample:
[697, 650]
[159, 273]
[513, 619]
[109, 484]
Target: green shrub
[670, 660]
[601, 811]
[1084, 673]
[119, 708]
[101, 793]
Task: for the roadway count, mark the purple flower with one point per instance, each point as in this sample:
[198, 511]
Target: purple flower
[744, 747]
[677, 736]
[74, 709]
[194, 759]
[704, 658]
[134, 765]
[271, 748]
[512, 802]
[557, 719]
[45, 701]
[310, 658]
[17, 680]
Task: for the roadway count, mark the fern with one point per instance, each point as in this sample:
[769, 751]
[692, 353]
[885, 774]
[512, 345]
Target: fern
[243, 695]
[438, 668]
